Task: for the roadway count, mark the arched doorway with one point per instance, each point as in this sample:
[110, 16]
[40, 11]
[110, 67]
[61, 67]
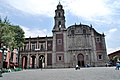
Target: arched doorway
[80, 59]
[24, 62]
[33, 61]
[41, 61]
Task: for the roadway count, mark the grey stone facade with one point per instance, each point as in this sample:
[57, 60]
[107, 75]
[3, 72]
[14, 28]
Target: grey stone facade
[78, 44]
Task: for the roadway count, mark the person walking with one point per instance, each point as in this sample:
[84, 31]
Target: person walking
[117, 65]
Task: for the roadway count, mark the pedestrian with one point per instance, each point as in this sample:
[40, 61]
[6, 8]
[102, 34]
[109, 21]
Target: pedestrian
[117, 65]
[14, 68]
[77, 67]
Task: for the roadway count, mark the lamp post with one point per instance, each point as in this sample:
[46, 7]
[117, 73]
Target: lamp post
[1, 59]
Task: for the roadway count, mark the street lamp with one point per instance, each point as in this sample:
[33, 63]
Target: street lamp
[1, 59]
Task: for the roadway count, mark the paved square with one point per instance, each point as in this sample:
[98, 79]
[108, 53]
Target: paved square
[93, 73]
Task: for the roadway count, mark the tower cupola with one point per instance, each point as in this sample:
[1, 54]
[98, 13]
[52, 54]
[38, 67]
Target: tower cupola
[59, 19]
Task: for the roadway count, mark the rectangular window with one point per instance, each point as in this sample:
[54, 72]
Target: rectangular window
[97, 39]
[60, 58]
[59, 41]
[42, 46]
[100, 57]
[33, 47]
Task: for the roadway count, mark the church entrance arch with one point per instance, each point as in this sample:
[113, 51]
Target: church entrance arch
[24, 62]
[41, 61]
[80, 59]
[33, 61]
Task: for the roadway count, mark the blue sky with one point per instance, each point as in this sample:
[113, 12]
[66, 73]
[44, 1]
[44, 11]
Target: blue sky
[36, 17]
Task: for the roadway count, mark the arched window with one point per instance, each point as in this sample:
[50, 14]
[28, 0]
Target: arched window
[59, 23]
[84, 31]
[59, 14]
[42, 47]
[72, 32]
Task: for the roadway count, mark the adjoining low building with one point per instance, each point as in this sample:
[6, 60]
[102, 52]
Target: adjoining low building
[78, 44]
[114, 57]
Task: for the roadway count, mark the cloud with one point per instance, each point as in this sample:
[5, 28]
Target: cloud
[44, 7]
[113, 30]
[88, 8]
[110, 34]
[83, 8]
[116, 4]
[111, 50]
[1, 14]
[96, 11]
[35, 32]
[112, 40]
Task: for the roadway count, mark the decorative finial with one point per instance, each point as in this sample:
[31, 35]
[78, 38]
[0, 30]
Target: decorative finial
[91, 25]
[80, 23]
[75, 23]
[103, 34]
[46, 37]
[59, 3]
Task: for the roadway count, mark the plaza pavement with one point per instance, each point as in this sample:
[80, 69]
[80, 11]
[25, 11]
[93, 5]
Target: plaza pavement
[92, 73]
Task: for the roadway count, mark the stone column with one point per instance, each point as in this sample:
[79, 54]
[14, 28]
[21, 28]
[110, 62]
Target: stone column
[93, 52]
[37, 57]
[8, 57]
[65, 50]
[37, 44]
[14, 55]
[28, 61]
[54, 50]
[29, 44]
[46, 59]
[46, 43]
[35, 63]
[20, 61]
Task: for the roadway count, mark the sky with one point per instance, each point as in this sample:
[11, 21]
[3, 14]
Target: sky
[36, 17]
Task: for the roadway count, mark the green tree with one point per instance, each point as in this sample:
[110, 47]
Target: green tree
[4, 30]
[11, 36]
[19, 37]
[8, 37]
[116, 58]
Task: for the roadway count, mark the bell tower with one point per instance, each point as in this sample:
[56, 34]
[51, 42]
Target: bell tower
[59, 19]
[59, 38]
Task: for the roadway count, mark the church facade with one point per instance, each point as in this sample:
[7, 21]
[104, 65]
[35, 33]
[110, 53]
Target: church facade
[76, 45]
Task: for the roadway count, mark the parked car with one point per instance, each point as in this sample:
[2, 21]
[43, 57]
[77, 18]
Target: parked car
[108, 64]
